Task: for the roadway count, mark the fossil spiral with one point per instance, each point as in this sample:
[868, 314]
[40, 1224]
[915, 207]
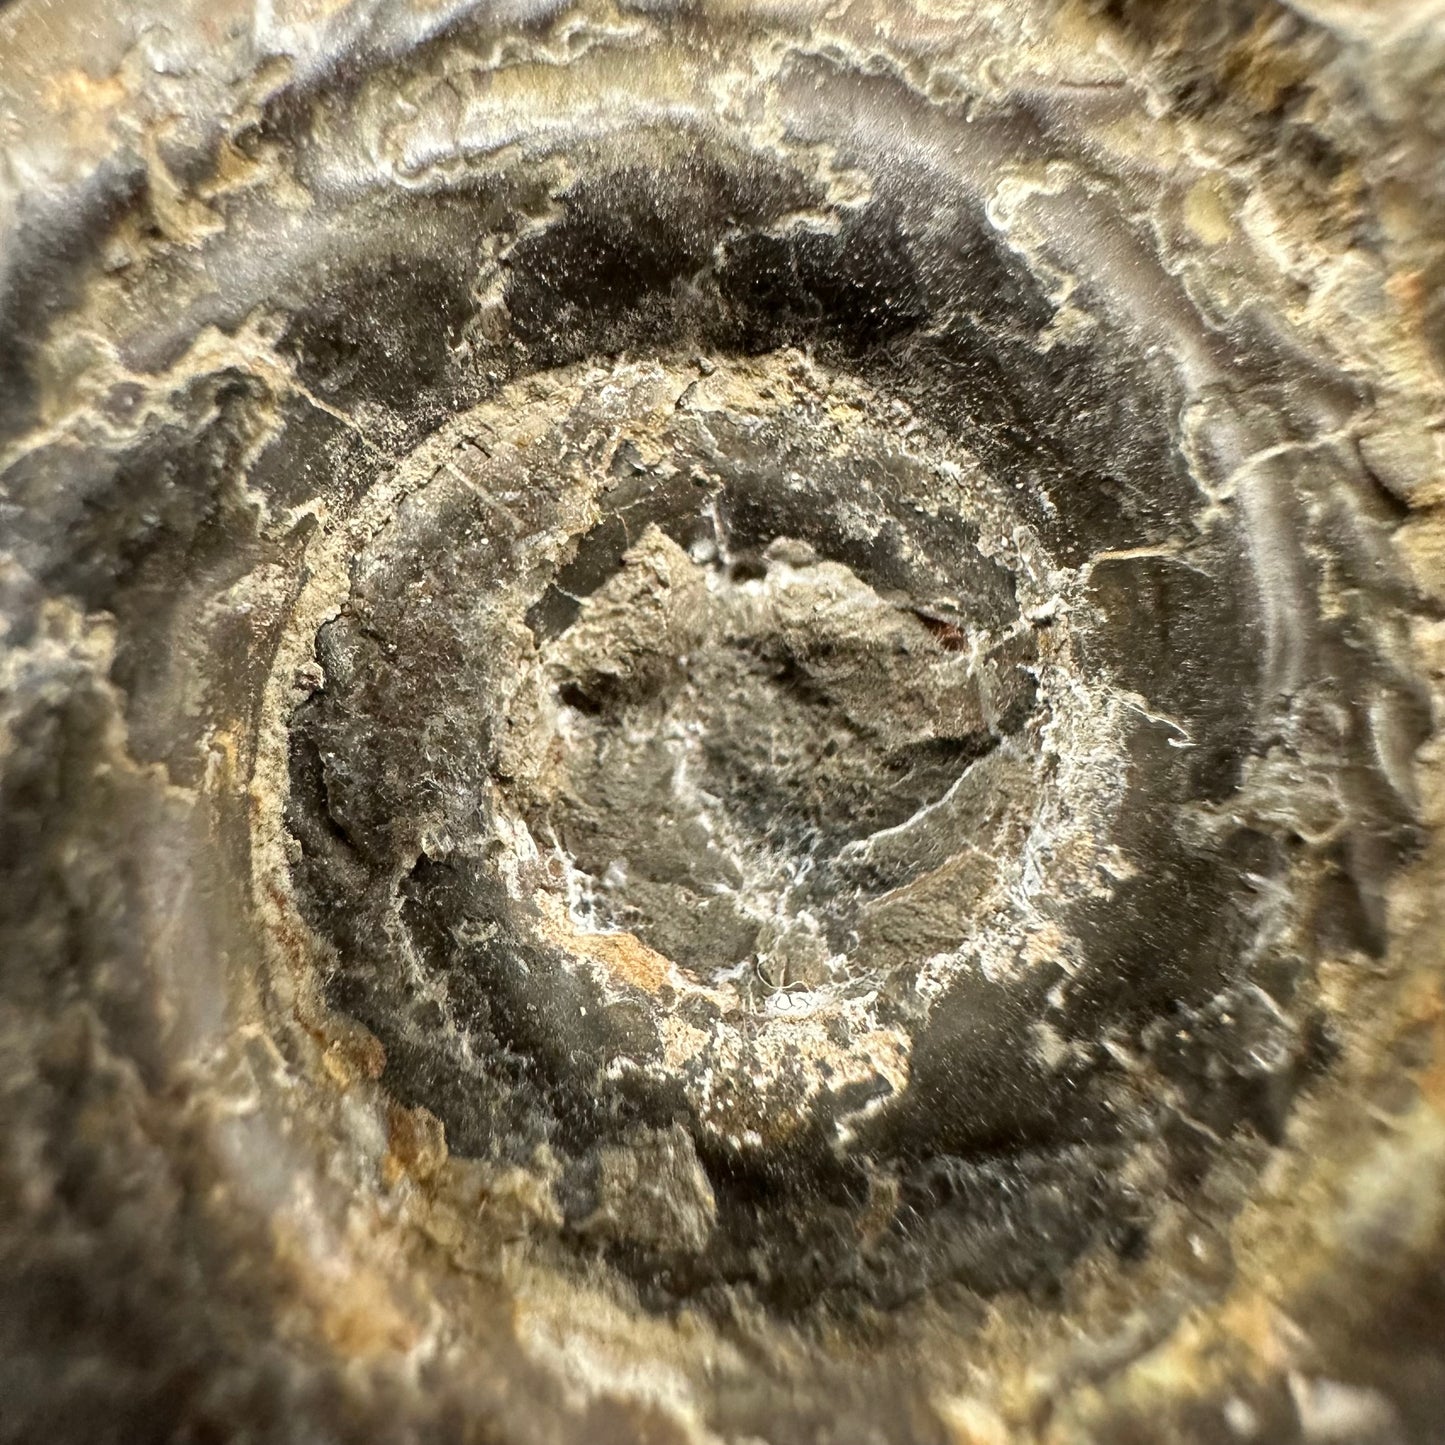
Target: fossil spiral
[718, 721]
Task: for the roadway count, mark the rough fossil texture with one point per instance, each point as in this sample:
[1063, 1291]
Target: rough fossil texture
[718, 721]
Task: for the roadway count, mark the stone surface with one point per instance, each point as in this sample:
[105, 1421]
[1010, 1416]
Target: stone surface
[719, 722]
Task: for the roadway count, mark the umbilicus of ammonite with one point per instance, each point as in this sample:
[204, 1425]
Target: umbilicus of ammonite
[718, 722]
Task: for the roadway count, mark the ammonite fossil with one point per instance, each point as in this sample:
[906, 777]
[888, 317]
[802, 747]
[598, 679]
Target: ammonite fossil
[718, 721]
